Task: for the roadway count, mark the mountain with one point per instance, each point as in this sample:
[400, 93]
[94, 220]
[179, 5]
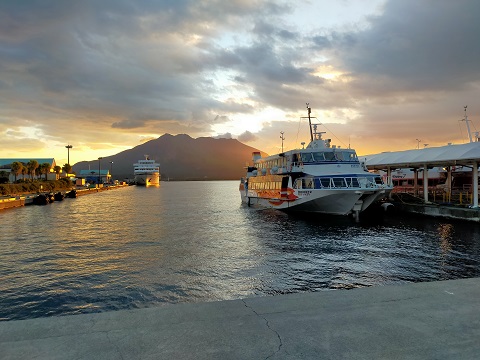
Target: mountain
[181, 158]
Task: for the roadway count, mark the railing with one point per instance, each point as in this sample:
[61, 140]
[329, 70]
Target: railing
[338, 182]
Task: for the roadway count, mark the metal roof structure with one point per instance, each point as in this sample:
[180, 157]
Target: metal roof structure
[449, 155]
[443, 156]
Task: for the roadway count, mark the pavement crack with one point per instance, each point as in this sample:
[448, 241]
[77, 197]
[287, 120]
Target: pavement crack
[114, 345]
[280, 343]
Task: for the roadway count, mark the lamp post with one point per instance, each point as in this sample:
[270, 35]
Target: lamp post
[111, 176]
[99, 176]
[68, 152]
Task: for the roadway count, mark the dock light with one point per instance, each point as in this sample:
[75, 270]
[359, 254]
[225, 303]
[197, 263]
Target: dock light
[111, 176]
[99, 176]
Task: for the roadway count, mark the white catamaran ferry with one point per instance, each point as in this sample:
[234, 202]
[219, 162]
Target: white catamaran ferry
[147, 172]
[321, 178]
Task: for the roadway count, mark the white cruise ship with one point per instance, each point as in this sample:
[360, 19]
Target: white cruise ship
[320, 178]
[147, 172]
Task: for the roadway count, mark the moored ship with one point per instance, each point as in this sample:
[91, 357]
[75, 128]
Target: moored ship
[147, 172]
[320, 178]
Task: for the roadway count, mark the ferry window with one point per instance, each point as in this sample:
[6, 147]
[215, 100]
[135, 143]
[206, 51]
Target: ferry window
[317, 183]
[339, 156]
[325, 182]
[353, 182]
[329, 156]
[308, 183]
[339, 182]
[307, 157]
[297, 184]
[318, 156]
[348, 156]
[378, 180]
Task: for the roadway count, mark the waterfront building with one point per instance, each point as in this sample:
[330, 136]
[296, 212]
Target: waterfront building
[91, 176]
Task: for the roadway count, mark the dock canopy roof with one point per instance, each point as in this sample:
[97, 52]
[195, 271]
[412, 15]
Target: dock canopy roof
[449, 155]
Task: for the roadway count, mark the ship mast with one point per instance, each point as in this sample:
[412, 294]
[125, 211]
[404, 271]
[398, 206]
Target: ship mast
[309, 109]
[468, 125]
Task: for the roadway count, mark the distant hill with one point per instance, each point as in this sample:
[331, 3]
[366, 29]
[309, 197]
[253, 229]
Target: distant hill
[181, 158]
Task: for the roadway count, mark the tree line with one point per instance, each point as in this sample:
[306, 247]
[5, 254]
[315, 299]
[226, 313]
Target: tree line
[32, 168]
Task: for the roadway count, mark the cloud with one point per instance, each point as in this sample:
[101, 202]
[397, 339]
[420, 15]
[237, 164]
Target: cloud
[247, 136]
[415, 46]
[75, 71]
[224, 136]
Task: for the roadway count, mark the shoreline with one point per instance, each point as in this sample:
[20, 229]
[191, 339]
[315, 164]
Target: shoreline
[19, 200]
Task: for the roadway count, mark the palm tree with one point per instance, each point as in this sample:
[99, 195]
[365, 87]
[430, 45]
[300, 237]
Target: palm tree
[24, 172]
[57, 169]
[4, 177]
[67, 168]
[32, 165]
[16, 168]
[45, 169]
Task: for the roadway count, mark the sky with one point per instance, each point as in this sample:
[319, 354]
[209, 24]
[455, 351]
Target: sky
[105, 76]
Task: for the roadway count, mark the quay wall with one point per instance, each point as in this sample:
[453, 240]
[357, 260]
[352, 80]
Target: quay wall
[435, 210]
[28, 199]
[12, 202]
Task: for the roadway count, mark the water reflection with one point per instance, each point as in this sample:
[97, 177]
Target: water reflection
[194, 241]
[446, 232]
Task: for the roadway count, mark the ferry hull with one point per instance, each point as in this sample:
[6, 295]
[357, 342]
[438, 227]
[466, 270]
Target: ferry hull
[335, 202]
[147, 179]
[324, 201]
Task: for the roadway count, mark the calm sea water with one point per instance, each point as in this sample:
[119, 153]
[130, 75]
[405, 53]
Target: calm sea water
[193, 241]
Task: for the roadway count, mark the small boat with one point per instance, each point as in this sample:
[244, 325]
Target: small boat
[319, 178]
[41, 199]
[147, 172]
[59, 196]
[71, 194]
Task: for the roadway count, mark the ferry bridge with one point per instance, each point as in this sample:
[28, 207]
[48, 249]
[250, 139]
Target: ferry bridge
[447, 157]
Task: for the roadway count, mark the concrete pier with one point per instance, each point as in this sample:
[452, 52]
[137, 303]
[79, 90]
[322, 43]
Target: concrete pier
[435, 210]
[9, 202]
[437, 320]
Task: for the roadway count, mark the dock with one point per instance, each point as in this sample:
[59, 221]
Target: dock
[406, 203]
[8, 202]
[435, 320]
[14, 201]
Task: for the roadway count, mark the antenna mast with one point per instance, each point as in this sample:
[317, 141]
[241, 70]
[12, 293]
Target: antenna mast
[309, 109]
[468, 125]
[283, 138]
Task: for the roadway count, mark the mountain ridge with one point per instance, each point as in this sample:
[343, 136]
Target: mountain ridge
[181, 157]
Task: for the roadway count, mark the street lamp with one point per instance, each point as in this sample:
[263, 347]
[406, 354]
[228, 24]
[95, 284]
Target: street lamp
[111, 176]
[68, 152]
[99, 176]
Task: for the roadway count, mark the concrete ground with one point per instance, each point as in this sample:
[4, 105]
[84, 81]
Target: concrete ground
[437, 320]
